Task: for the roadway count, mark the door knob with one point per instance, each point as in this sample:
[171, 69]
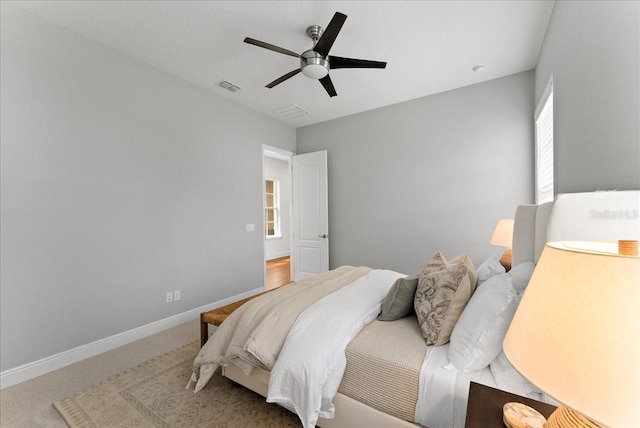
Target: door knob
[323, 236]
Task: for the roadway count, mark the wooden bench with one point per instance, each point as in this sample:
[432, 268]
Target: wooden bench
[217, 315]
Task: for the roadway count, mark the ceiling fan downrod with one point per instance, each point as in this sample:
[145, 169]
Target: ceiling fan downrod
[315, 32]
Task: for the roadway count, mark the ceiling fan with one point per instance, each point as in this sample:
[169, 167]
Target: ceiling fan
[315, 63]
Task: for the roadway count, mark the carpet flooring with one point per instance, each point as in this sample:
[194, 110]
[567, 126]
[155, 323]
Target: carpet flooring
[153, 394]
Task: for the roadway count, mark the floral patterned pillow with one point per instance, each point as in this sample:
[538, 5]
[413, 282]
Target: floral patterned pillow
[444, 288]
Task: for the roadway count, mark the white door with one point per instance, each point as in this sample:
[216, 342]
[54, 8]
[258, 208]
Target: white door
[310, 243]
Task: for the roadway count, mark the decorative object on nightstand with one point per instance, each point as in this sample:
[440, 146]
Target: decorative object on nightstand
[485, 407]
[503, 237]
[518, 415]
[575, 333]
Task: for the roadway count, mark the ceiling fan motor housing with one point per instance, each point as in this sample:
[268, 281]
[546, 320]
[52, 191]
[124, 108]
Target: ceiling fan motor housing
[314, 65]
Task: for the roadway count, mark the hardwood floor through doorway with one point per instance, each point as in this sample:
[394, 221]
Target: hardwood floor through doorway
[278, 272]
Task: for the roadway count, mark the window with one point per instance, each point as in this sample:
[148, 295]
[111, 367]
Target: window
[272, 209]
[544, 146]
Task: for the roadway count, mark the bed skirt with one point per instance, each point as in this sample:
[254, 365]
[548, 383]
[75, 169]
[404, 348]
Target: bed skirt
[349, 412]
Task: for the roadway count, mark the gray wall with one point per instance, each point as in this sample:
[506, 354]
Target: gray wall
[593, 50]
[435, 173]
[279, 169]
[119, 183]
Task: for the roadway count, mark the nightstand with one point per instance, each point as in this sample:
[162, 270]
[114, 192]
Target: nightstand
[484, 409]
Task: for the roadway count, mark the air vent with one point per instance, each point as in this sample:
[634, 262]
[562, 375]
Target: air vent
[229, 86]
[291, 111]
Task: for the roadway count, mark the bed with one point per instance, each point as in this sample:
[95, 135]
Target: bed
[318, 349]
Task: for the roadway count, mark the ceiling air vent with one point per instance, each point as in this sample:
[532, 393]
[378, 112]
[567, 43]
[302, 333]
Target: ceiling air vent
[229, 86]
[290, 111]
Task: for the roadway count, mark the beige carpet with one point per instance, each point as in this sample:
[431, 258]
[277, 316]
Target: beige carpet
[153, 394]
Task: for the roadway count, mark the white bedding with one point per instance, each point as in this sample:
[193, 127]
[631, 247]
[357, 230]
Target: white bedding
[442, 397]
[312, 360]
[443, 393]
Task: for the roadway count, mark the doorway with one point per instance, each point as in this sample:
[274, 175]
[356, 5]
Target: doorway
[276, 171]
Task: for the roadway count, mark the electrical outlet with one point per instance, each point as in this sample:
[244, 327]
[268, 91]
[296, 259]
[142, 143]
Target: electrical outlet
[176, 295]
[169, 297]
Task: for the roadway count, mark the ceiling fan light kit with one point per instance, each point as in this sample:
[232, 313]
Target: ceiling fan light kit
[315, 63]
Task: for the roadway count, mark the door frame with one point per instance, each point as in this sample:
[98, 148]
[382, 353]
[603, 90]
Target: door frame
[283, 155]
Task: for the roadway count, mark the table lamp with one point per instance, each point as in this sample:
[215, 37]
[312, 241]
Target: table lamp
[503, 237]
[576, 333]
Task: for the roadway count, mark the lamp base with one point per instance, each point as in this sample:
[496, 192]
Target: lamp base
[564, 417]
[505, 260]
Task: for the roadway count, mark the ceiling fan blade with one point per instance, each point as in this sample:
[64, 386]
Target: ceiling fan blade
[330, 33]
[283, 78]
[340, 62]
[270, 47]
[328, 86]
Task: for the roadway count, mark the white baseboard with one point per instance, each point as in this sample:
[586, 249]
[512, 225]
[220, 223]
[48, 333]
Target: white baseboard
[45, 365]
[277, 256]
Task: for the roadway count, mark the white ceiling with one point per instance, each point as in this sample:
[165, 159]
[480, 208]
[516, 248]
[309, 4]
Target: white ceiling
[430, 46]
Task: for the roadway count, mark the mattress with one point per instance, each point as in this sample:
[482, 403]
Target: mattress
[385, 375]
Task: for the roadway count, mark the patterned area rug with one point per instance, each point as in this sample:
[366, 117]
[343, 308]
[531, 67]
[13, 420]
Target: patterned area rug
[153, 394]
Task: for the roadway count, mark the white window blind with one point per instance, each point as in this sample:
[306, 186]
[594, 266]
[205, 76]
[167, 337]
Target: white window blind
[544, 146]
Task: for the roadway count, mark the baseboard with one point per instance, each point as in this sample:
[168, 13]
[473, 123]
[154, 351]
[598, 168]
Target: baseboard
[277, 256]
[45, 365]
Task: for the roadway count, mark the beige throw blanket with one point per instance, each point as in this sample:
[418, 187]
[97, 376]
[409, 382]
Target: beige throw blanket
[253, 334]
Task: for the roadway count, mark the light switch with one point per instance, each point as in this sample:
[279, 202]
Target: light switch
[251, 227]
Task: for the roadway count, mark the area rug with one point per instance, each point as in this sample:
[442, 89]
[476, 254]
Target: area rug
[153, 394]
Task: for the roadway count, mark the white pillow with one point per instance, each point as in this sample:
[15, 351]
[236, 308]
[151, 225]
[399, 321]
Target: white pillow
[477, 337]
[489, 268]
[520, 275]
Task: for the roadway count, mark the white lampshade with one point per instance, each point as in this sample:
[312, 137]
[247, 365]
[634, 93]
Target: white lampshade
[576, 333]
[503, 234]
